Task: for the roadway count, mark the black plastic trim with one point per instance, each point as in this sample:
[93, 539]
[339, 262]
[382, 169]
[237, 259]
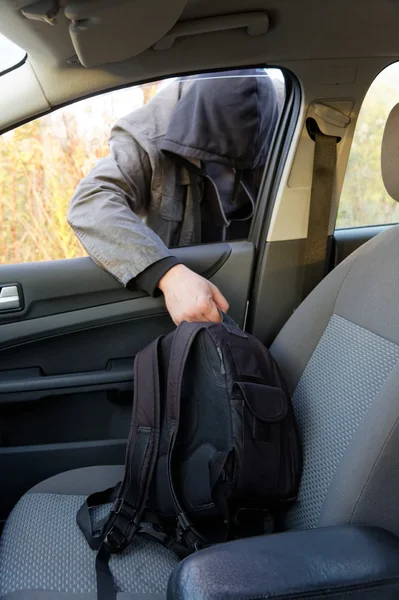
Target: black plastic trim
[270, 186]
[58, 287]
[19, 64]
[338, 562]
[312, 128]
[61, 382]
[346, 241]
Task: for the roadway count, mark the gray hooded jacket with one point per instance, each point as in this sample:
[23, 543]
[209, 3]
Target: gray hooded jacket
[146, 197]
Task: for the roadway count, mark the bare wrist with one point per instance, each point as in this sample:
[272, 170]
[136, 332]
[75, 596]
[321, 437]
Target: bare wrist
[164, 282]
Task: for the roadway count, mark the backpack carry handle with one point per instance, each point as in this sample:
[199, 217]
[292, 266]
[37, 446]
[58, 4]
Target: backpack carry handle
[227, 320]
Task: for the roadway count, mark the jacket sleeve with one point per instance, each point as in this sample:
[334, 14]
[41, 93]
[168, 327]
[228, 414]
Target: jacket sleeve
[148, 279]
[106, 208]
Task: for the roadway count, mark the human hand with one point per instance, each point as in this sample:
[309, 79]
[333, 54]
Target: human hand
[190, 297]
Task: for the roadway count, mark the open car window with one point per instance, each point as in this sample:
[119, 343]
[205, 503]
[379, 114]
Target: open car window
[43, 161]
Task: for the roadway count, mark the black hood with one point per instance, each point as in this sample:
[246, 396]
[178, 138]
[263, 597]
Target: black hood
[226, 118]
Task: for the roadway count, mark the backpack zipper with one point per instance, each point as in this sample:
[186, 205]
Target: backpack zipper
[222, 368]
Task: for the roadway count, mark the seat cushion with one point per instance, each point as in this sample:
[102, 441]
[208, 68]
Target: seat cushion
[51, 595]
[42, 547]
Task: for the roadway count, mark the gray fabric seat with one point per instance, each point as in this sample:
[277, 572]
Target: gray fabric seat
[340, 356]
[42, 548]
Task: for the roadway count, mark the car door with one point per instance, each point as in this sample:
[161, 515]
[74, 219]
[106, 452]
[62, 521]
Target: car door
[69, 333]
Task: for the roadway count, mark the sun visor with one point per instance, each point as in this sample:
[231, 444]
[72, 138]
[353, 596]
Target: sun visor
[106, 31]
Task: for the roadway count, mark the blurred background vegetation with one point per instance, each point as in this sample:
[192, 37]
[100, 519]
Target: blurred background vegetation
[364, 200]
[43, 161]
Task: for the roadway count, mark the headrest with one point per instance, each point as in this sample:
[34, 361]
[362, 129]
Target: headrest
[390, 154]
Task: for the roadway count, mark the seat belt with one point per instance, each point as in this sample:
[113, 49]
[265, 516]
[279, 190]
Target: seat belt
[316, 251]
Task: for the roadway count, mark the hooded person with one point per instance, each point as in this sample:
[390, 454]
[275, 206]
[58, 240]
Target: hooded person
[183, 169]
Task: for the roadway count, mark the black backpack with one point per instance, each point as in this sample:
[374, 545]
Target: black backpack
[213, 451]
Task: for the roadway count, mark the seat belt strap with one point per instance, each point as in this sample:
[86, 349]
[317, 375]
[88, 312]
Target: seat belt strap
[324, 164]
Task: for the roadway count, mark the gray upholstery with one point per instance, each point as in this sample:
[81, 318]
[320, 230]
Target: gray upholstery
[345, 373]
[46, 595]
[81, 482]
[346, 390]
[43, 549]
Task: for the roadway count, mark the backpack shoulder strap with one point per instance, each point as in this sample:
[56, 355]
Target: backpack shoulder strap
[142, 451]
[185, 336]
[130, 496]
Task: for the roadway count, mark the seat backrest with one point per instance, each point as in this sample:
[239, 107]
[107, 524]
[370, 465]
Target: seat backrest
[340, 356]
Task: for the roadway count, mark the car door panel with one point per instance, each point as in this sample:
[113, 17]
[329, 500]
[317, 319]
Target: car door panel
[60, 286]
[66, 359]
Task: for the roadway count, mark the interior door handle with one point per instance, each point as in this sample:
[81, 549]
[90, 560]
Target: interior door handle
[9, 298]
